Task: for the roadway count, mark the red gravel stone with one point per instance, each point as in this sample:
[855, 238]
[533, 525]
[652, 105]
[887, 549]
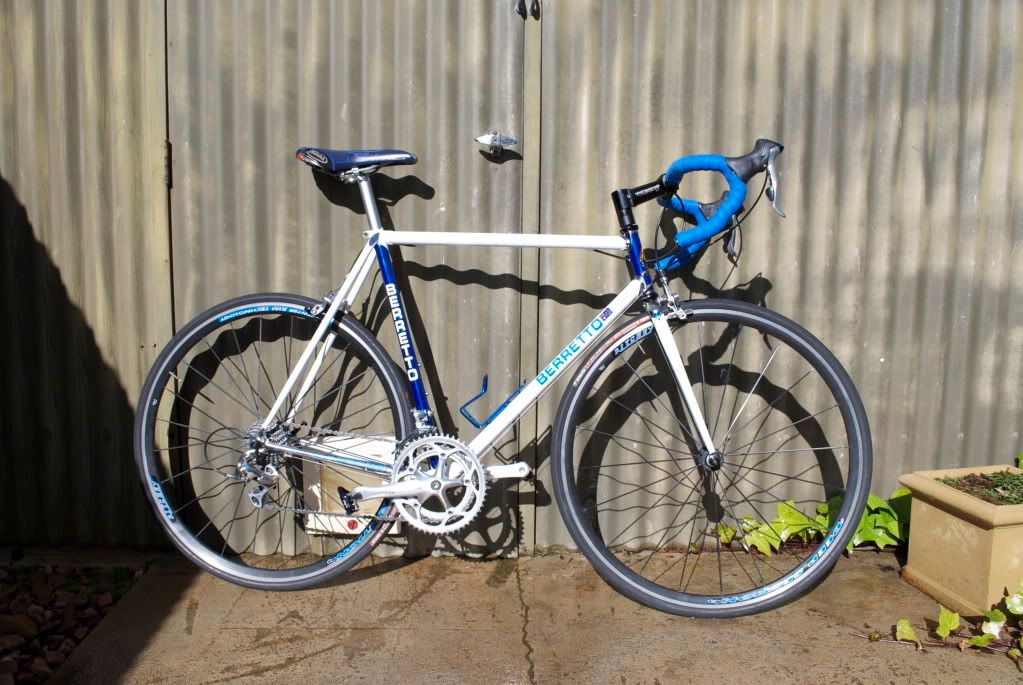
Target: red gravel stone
[9, 643]
[18, 624]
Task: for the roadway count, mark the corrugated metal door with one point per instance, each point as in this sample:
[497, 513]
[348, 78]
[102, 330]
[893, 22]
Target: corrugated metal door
[84, 265]
[902, 246]
[250, 82]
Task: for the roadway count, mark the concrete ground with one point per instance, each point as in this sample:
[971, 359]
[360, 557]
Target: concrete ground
[546, 619]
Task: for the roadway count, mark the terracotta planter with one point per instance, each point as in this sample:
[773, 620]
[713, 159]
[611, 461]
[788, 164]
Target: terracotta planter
[963, 551]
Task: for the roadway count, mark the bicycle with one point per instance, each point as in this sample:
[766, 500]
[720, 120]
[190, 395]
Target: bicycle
[279, 443]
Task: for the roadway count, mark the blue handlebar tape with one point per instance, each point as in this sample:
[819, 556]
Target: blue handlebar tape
[693, 240]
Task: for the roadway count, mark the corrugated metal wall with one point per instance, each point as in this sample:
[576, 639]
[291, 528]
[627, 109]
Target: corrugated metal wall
[85, 271]
[901, 174]
[903, 246]
[251, 82]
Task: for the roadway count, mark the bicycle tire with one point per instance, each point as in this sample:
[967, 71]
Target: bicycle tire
[579, 486]
[211, 359]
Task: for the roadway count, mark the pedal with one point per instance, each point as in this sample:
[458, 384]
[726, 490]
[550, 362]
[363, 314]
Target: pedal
[349, 502]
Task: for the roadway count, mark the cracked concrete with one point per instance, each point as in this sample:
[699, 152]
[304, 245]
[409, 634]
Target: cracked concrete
[544, 619]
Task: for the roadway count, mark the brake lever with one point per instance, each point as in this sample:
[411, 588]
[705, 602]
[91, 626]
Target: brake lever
[772, 181]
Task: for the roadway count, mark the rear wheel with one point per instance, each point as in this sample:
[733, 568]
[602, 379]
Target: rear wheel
[740, 530]
[257, 517]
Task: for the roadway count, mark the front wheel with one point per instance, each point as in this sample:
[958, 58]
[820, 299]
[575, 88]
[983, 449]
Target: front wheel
[253, 516]
[743, 528]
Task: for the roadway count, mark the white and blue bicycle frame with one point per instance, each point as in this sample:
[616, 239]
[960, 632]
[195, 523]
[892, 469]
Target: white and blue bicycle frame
[378, 241]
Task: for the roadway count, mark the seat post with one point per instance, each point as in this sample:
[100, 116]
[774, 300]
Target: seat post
[369, 202]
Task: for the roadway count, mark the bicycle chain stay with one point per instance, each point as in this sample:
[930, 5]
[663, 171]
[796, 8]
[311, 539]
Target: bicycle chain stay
[318, 512]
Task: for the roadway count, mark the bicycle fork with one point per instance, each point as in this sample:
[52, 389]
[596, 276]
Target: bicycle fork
[662, 331]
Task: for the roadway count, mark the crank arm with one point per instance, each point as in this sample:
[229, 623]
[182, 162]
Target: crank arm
[407, 489]
[518, 469]
[411, 489]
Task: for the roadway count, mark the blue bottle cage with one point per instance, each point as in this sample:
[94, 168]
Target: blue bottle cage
[695, 239]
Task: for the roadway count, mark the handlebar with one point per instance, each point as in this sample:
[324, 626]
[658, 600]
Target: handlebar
[736, 170]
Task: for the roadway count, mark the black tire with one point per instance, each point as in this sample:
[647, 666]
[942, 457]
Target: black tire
[208, 388]
[626, 381]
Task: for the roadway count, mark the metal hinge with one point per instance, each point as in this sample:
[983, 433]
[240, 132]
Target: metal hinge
[168, 176]
[534, 9]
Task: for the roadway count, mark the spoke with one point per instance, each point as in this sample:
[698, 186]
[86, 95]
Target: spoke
[750, 394]
[259, 358]
[728, 377]
[182, 399]
[660, 542]
[666, 493]
[235, 431]
[749, 552]
[759, 514]
[203, 465]
[827, 448]
[212, 382]
[234, 517]
[211, 519]
[635, 440]
[659, 400]
[783, 393]
[197, 498]
[194, 444]
[648, 485]
[630, 463]
[721, 576]
[685, 563]
[244, 370]
[642, 418]
[786, 477]
[794, 423]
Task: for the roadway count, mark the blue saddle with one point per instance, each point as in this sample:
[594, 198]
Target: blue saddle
[337, 161]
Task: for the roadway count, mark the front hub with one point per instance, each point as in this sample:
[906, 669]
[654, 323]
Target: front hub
[709, 461]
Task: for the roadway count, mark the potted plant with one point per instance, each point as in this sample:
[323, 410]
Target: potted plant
[966, 535]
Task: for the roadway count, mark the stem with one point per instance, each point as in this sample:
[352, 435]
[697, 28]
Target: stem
[892, 642]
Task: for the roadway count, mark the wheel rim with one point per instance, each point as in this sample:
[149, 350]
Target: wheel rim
[200, 413]
[651, 509]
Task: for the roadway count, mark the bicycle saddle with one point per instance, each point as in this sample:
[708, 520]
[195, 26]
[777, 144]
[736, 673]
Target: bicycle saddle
[338, 161]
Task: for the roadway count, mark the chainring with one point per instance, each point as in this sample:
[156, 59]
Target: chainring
[457, 481]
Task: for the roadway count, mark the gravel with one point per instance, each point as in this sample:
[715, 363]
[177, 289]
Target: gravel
[46, 611]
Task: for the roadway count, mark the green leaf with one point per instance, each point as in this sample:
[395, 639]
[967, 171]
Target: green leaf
[888, 522]
[1019, 460]
[791, 522]
[900, 501]
[994, 623]
[764, 539]
[1015, 655]
[725, 533]
[994, 615]
[948, 622]
[980, 640]
[875, 503]
[904, 631]
[821, 508]
[749, 523]
[1014, 603]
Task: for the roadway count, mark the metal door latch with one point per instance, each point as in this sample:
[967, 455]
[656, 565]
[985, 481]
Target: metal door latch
[496, 142]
